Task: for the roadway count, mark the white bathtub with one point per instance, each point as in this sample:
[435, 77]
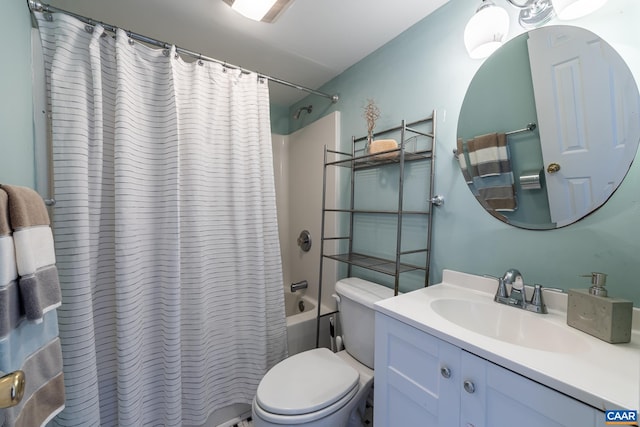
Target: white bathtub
[301, 325]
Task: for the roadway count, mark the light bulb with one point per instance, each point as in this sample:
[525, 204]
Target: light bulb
[486, 31]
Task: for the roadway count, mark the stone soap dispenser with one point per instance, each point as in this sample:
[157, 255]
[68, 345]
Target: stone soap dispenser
[592, 311]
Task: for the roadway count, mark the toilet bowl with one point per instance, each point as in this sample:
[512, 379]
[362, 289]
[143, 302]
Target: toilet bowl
[319, 388]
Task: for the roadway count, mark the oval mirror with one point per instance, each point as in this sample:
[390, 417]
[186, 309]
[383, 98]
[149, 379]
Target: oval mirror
[549, 127]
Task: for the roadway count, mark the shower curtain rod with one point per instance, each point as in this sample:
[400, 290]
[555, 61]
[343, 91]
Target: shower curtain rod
[36, 6]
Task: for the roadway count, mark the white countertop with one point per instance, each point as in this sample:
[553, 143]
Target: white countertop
[605, 376]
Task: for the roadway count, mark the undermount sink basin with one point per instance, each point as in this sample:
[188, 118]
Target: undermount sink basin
[509, 324]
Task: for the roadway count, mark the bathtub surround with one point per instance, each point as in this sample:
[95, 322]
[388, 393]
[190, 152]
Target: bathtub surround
[298, 170]
[301, 178]
[172, 306]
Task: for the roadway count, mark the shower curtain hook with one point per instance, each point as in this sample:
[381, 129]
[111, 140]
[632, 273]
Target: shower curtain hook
[130, 40]
[166, 49]
[200, 62]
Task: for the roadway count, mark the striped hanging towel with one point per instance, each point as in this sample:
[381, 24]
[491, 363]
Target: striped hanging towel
[491, 173]
[29, 295]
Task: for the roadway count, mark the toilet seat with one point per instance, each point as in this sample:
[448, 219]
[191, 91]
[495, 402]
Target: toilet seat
[307, 385]
[297, 420]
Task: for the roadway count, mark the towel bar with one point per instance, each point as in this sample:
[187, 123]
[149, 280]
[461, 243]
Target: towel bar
[530, 128]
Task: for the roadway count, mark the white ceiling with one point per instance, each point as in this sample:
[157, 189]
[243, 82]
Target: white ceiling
[309, 44]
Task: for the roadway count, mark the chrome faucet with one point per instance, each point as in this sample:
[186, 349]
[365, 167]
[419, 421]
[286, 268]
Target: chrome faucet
[303, 284]
[518, 296]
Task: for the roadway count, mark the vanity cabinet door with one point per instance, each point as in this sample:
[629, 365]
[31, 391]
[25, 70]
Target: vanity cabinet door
[493, 396]
[417, 377]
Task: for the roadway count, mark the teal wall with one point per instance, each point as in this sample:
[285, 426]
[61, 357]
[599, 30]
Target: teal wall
[428, 68]
[16, 116]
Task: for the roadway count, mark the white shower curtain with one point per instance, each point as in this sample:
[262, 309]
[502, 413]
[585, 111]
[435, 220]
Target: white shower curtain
[165, 229]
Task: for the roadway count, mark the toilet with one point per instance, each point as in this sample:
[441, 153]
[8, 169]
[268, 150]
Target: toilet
[319, 388]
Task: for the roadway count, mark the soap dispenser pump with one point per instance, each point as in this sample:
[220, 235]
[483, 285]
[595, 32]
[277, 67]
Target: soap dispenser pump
[598, 280]
[592, 311]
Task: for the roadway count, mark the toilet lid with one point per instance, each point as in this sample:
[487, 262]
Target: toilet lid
[306, 382]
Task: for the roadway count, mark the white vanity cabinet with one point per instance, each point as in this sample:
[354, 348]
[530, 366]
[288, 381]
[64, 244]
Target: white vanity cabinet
[409, 388]
[423, 380]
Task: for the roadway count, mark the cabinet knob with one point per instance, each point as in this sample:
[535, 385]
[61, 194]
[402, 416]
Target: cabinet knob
[469, 386]
[445, 372]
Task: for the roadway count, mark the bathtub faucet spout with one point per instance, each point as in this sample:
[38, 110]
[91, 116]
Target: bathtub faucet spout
[303, 284]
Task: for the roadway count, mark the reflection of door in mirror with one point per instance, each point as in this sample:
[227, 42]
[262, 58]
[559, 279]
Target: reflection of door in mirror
[582, 98]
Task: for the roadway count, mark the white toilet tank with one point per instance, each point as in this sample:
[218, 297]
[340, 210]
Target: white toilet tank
[355, 303]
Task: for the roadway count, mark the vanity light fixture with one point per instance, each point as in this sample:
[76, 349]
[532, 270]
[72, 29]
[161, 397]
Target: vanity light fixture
[486, 30]
[533, 13]
[259, 10]
[488, 27]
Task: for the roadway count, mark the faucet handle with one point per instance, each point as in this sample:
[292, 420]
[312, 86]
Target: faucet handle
[537, 302]
[502, 289]
[501, 293]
